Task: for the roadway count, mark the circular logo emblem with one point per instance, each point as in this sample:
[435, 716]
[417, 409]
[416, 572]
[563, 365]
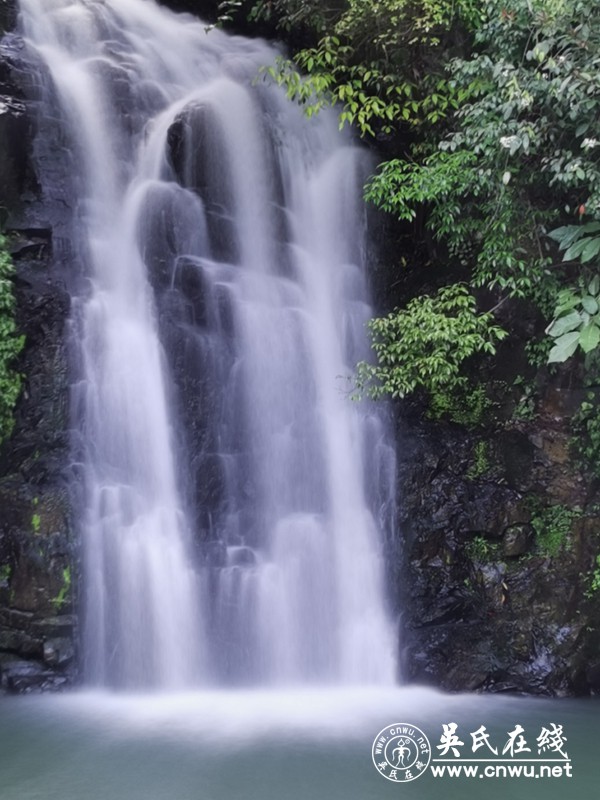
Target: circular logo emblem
[401, 752]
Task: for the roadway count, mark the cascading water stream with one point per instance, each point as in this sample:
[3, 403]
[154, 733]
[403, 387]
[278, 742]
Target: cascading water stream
[234, 500]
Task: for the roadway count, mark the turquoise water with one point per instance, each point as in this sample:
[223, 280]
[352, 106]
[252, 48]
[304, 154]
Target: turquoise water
[263, 745]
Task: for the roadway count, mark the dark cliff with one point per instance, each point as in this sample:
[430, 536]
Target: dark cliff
[37, 627]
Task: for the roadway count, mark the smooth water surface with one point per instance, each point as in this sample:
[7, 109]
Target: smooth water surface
[305, 745]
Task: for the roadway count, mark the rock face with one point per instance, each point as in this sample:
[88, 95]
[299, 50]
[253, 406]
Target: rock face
[501, 535]
[37, 626]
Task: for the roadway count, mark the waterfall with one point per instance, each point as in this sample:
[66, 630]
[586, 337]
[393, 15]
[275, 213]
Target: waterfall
[233, 500]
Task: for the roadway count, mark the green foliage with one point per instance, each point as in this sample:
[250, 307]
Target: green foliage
[464, 404]
[524, 409]
[537, 351]
[594, 579]
[576, 321]
[401, 186]
[380, 61]
[290, 15]
[386, 30]
[61, 598]
[227, 10]
[482, 550]
[424, 345]
[516, 156]
[36, 520]
[578, 241]
[552, 525]
[480, 461]
[367, 97]
[10, 344]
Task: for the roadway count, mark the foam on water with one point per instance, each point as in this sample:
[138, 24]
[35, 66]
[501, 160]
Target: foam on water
[244, 717]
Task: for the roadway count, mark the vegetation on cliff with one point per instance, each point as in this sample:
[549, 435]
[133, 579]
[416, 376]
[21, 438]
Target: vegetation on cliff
[10, 344]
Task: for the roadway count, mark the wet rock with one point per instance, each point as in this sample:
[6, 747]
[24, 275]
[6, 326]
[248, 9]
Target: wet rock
[189, 280]
[209, 488]
[37, 553]
[593, 676]
[8, 15]
[197, 155]
[13, 165]
[22, 677]
[59, 626]
[485, 608]
[33, 244]
[170, 223]
[517, 540]
[515, 454]
[58, 652]
[17, 641]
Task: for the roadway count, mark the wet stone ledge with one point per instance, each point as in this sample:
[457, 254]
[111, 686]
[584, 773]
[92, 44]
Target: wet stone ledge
[38, 559]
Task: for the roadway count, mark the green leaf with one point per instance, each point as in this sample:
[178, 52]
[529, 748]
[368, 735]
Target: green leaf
[564, 348]
[567, 300]
[560, 234]
[564, 324]
[575, 250]
[589, 338]
[566, 235]
[589, 304]
[591, 249]
[594, 286]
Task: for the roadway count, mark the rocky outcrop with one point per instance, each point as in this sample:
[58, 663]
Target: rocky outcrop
[36, 552]
[501, 537]
[8, 15]
[37, 626]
